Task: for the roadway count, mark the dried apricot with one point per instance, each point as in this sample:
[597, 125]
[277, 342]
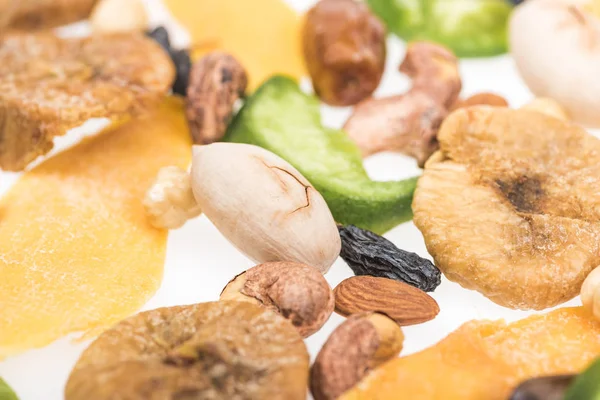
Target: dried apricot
[509, 206]
[219, 350]
[487, 359]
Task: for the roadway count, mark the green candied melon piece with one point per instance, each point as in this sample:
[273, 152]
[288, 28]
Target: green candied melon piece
[6, 393]
[470, 28]
[281, 118]
[587, 385]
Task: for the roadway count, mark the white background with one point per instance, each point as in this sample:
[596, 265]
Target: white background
[200, 261]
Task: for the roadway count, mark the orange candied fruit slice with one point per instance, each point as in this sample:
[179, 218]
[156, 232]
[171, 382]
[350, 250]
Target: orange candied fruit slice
[486, 360]
[76, 250]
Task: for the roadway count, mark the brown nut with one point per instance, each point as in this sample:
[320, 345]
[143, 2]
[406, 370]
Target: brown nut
[359, 344]
[409, 123]
[403, 303]
[218, 350]
[344, 50]
[217, 81]
[297, 291]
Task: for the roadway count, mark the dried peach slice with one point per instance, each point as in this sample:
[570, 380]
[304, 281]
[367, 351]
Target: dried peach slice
[486, 359]
[509, 206]
[77, 251]
[219, 350]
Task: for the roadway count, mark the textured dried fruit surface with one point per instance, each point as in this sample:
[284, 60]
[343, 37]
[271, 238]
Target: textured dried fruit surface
[241, 29]
[370, 254]
[510, 206]
[487, 360]
[401, 302]
[297, 291]
[29, 15]
[49, 85]
[219, 350]
[78, 252]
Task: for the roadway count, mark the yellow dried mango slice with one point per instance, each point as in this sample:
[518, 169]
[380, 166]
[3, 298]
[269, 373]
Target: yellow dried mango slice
[485, 360]
[76, 250]
[264, 35]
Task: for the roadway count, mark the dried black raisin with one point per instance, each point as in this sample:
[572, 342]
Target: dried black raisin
[161, 36]
[370, 254]
[544, 388]
[183, 65]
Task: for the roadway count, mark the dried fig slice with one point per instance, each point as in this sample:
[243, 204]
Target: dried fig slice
[217, 350]
[509, 206]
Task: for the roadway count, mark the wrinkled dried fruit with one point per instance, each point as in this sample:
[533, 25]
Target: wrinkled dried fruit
[401, 302]
[49, 85]
[367, 253]
[344, 50]
[219, 350]
[544, 388]
[510, 206]
[358, 345]
[30, 15]
[6, 393]
[488, 359]
[298, 292]
[217, 81]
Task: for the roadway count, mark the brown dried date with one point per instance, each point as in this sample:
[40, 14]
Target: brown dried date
[344, 50]
[370, 254]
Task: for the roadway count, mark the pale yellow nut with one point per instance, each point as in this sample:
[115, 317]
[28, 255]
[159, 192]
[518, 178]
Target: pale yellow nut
[118, 16]
[590, 293]
[548, 106]
[170, 202]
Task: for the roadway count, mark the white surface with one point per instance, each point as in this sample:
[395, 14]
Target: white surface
[200, 261]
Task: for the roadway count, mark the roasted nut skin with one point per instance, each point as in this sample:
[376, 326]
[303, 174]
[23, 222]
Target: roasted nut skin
[344, 49]
[297, 291]
[217, 81]
[359, 344]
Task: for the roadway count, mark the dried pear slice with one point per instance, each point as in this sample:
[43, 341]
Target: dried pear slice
[488, 359]
[510, 205]
[217, 350]
[49, 85]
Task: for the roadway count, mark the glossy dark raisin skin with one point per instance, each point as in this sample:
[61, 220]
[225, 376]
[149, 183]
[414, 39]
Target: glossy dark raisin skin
[370, 254]
[161, 36]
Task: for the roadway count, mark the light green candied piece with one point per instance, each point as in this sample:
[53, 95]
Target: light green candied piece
[587, 385]
[6, 393]
[281, 118]
[470, 28]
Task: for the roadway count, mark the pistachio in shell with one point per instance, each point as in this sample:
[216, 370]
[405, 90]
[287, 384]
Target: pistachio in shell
[217, 350]
[297, 291]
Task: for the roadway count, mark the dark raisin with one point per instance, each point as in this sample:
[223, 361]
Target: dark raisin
[183, 65]
[161, 36]
[544, 388]
[370, 254]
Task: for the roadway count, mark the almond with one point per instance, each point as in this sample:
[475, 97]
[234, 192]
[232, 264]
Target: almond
[401, 302]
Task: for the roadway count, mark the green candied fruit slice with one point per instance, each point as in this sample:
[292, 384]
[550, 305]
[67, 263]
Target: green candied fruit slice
[470, 28]
[281, 118]
[586, 385]
[6, 393]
